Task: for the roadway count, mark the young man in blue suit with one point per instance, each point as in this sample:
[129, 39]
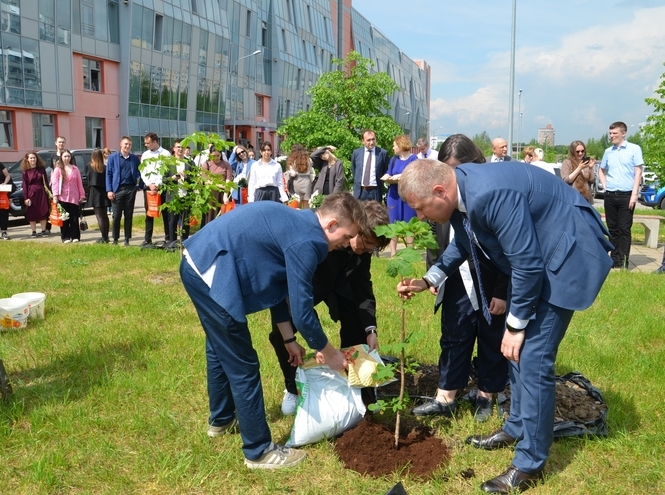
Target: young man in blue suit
[369, 163]
[122, 181]
[251, 259]
[553, 246]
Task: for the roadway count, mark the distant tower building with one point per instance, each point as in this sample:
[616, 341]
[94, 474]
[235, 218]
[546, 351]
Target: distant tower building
[546, 135]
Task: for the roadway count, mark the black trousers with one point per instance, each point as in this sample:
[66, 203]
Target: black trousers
[461, 326]
[4, 219]
[70, 227]
[150, 221]
[351, 333]
[619, 218]
[123, 204]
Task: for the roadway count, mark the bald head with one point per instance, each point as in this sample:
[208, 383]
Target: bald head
[499, 147]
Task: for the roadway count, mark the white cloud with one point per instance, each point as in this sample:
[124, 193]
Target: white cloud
[487, 105]
[633, 49]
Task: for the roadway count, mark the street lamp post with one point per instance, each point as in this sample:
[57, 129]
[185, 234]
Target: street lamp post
[235, 87]
[519, 114]
[511, 90]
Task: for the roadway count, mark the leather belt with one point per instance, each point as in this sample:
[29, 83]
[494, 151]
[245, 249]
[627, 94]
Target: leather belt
[620, 193]
[368, 188]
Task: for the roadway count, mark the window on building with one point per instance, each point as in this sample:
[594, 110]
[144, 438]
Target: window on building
[159, 26]
[6, 132]
[248, 25]
[309, 19]
[195, 8]
[259, 106]
[288, 109]
[286, 46]
[46, 20]
[92, 75]
[94, 132]
[87, 18]
[304, 51]
[264, 33]
[289, 17]
[11, 16]
[43, 129]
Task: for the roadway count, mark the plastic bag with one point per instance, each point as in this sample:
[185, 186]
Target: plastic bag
[54, 217]
[327, 404]
[154, 202]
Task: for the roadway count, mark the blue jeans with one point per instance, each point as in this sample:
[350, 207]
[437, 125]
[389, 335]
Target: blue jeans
[234, 381]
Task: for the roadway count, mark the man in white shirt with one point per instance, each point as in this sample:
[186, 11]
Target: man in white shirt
[424, 150]
[499, 151]
[152, 178]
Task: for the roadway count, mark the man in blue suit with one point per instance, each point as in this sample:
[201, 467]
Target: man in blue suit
[553, 246]
[368, 164]
[251, 259]
[122, 181]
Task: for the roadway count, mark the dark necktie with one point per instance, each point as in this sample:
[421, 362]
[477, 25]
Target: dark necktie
[474, 256]
[368, 166]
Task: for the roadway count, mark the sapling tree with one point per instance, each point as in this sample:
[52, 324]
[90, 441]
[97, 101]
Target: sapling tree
[194, 195]
[403, 265]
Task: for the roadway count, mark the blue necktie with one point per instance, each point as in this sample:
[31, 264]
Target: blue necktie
[474, 256]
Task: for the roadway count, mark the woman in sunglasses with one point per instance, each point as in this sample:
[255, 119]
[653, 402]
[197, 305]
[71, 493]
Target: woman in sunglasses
[578, 170]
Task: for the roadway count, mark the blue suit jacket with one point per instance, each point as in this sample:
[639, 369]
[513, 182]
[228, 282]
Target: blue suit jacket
[263, 252]
[113, 170]
[536, 229]
[357, 164]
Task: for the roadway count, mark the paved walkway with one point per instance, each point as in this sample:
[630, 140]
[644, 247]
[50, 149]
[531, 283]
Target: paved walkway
[642, 258]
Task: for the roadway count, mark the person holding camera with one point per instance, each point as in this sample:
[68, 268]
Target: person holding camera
[578, 170]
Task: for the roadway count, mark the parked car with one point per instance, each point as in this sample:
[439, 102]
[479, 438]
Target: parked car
[652, 194]
[597, 187]
[81, 158]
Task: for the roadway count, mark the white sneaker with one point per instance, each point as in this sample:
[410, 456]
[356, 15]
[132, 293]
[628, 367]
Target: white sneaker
[277, 457]
[75, 240]
[289, 403]
[218, 431]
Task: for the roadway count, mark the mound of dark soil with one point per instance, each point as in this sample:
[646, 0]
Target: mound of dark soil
[369, 448]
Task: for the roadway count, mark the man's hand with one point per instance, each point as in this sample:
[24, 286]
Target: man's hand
[334, 358]
[110, 195]
[408, 287]
[633, 201]
[372, 341]
[511, 345]
[296, 353]
[497, 306]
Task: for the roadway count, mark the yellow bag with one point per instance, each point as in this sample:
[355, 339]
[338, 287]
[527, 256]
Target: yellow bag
[361, 367]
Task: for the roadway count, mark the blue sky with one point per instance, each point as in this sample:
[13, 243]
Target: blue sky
[582, 64]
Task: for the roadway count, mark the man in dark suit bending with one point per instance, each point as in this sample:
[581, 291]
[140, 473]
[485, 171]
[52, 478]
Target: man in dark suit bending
[553, 246]
[245, 261]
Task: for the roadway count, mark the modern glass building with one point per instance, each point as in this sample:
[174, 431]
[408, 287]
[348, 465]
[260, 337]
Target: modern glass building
[95, 70]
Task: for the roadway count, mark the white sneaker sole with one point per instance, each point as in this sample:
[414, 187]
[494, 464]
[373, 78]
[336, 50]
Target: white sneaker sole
[273, 460]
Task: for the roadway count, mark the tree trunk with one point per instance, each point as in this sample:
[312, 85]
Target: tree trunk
[5, 386]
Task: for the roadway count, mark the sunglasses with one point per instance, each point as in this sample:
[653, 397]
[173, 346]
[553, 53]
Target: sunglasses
[580, 151]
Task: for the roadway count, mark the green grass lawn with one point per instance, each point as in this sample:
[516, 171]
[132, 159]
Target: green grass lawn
[110, 394]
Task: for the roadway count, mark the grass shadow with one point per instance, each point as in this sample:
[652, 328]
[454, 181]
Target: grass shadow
[71, 377]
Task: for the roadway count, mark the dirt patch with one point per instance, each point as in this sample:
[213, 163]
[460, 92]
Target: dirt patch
[573, 402]
[369, 448]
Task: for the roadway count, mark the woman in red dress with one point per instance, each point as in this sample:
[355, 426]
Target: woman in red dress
[34, 192]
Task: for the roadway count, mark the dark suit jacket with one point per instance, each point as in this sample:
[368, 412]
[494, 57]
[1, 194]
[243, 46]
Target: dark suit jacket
[336, 181]
[263, 252]
[357, 164]
[113, 170]
[346, 274]
[488, 159]
[534, 228]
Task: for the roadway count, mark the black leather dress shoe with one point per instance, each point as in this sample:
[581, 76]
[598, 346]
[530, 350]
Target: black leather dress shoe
[435, 408]
[511, 480]
[496, 440]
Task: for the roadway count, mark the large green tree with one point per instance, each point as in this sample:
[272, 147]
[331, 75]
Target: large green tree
[653, 133]
[344, 102]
